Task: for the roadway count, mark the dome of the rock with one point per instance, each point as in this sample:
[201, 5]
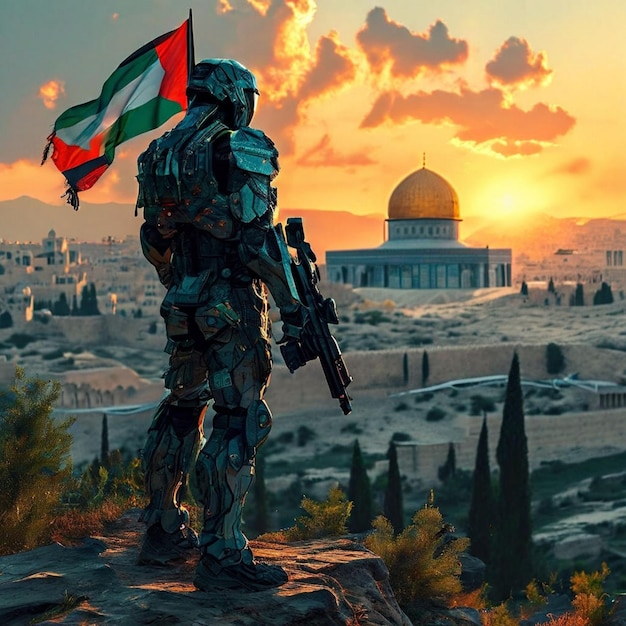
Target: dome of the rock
[424, 195]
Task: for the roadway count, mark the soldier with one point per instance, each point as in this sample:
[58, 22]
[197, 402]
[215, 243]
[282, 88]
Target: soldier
[205, 188]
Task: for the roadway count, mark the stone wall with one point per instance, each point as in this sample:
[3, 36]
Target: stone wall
[572, 437]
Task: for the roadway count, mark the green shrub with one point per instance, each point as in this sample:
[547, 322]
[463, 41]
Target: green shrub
[35, 464]
[305, 434]
[327, 518]
[20, 340]
[435, 414]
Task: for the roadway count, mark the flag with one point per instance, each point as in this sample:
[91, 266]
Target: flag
[146, 90]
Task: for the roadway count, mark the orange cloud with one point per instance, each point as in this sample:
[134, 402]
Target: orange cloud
[269, 36]
[480, 117]
[333, 68]
[50, 92]
[515, 65]
[389, 45]
[580, 165]
[324, 155]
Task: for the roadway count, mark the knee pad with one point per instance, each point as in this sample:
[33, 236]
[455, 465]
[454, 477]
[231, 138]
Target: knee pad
[258, 424]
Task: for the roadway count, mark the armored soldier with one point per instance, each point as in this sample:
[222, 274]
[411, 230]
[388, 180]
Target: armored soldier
[206, 191]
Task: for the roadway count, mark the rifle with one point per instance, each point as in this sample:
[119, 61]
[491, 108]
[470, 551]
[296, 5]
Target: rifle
[317, 340]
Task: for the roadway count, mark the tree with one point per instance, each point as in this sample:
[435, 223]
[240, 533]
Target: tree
[104, 442]
[35, 462]
[579, 296]
[551, 288]
[448, 469]
[6, 321]
[482, 512]
[604, 295]
[61, 307]
[89, 300]
[524, 289]
[75, 310]
[555, 361]
[359, 493]
[425, 368]
[514, 534]
[393, 508]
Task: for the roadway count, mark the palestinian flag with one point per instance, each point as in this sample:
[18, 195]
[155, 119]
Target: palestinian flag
[144, 92]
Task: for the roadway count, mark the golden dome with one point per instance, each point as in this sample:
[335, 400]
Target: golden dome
[424, 195]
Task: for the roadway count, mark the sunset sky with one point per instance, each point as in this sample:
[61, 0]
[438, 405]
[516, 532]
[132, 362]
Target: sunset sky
[519, 104]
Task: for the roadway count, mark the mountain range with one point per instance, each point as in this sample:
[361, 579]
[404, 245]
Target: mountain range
[535, 234]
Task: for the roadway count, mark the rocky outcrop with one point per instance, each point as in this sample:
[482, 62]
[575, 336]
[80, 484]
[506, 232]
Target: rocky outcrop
[98, 582]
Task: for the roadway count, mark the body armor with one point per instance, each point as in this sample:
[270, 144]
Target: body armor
[208, 202]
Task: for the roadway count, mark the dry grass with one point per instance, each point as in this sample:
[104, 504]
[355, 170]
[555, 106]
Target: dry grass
[74, 525]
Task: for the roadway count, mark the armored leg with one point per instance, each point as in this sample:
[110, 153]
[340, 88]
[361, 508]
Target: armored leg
[224, 474]
[170, 451]
[240, 369]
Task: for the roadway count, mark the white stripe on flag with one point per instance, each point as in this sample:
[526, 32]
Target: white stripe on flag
[137, 92]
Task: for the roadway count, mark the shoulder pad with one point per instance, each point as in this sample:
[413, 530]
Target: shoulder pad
[254, 152]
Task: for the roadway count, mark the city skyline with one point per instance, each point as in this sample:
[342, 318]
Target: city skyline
[515, 103]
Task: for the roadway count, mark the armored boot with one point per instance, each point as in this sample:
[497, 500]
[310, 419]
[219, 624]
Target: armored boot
[171, 449]
[224, 474]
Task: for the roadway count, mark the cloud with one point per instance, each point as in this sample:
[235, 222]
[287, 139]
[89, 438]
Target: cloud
[50, 92]
[389, 45]
[573, 167]
[479, 116]
[324, 155]
[515, 65]
[16, 180]
[269, 37]
[333, 68]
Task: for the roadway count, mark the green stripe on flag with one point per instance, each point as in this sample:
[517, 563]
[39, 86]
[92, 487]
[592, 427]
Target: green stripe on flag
[116, 82]
[142, 119]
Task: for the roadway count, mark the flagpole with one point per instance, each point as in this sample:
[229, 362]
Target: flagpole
[191, 57]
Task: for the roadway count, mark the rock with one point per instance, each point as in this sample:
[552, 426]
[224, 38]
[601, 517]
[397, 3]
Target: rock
[334, 581]
[472, 572]
[557, 604]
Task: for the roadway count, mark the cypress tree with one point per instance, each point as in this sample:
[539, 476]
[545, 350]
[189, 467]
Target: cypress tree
[393, 508]
[524, 288]
[104, 442]
[448, 469]
[514, 534]
[481, 519]
[579, 296]
[425, 368]
[359, 493]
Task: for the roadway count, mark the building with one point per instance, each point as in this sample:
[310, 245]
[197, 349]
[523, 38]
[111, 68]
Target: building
[422, 250]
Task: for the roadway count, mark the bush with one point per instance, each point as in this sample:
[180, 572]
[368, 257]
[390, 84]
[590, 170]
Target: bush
[6, 321]
[20, 340]
[373, 318]
[35, 464]
[435, 414]
[305, 434]
[422, 562]
[328, 518]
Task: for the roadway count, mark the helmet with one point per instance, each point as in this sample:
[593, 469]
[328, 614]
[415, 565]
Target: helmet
[227, 83]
